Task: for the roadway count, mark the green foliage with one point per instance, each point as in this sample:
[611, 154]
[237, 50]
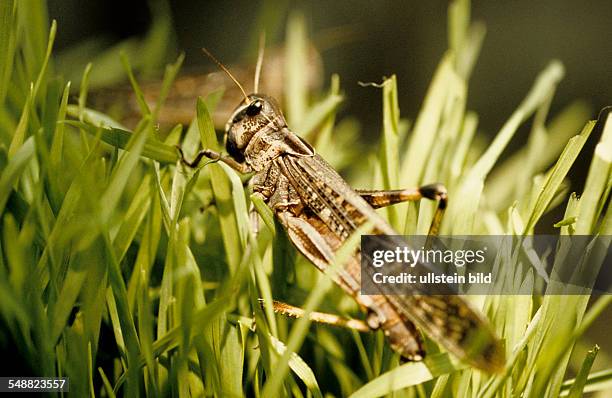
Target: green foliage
[134, 275]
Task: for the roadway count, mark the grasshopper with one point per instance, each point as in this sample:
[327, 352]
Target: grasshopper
[188, 86]
[319, 211]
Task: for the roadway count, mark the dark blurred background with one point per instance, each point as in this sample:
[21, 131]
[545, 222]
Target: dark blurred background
[384, 37]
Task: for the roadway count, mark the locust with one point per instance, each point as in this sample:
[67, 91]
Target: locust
[187, 86]
[319, 211]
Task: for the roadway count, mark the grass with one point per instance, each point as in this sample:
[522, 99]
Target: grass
[133, 275]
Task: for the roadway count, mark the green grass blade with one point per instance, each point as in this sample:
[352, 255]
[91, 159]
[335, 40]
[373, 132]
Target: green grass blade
[458, 23]
[494, 384]
[545, 83]
[295, 73]
[58, 315]
[133, 218]
[466, 135]
[21, 131]
[169, 76]
[108, 388]
[33, 20]
[563, 126]
[152, 149]
[94, 117]
[126, 321]
[222, 189]
[57, 144]
[120, 175]
[14, 169]
[596, 381]
[597, 182]
[318, 114]
[264, 211]
[577, 388]
[299, 367]
[389, 154]
[557, 174]
[409, 374]
[425, 128]
[8, 36]
[142, 103]
[84, 90]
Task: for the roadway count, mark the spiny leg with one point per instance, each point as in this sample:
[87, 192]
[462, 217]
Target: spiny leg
[320, 317]
[378, 199]
[215, 156]
[240, 167]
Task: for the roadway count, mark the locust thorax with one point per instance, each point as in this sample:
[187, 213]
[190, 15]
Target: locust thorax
[255, 114]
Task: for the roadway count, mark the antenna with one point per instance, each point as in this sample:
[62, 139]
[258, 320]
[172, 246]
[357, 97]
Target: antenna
[260, 56]
[220, 65]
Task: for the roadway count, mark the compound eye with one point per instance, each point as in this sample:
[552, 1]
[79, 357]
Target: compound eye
[254, 108]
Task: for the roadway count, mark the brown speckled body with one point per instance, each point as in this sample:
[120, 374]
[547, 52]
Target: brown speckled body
[319, 211]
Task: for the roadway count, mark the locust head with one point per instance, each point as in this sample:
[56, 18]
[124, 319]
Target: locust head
[257, 112]
[260, 116]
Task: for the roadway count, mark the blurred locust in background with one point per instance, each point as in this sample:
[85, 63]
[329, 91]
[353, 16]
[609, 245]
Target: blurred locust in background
[121, 100]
